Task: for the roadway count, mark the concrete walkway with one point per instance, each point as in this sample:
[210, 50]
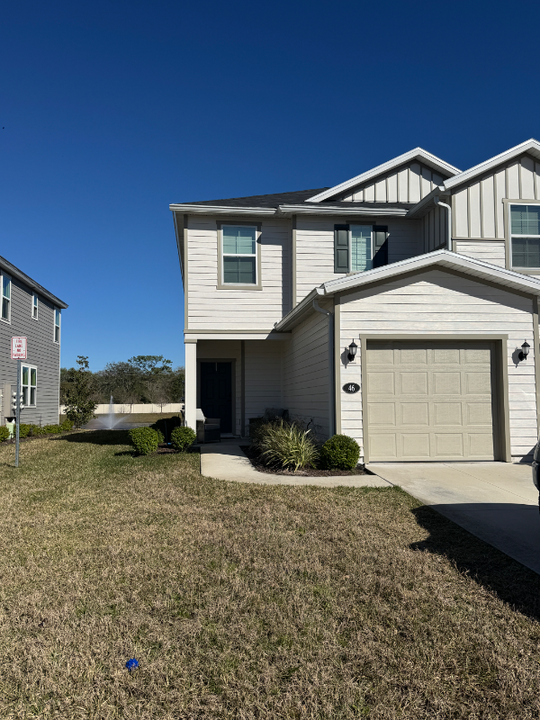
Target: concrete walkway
[227, 461]
[497, 502]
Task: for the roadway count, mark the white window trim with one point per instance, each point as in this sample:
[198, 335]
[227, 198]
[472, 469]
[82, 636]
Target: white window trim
[511, 235]
[29, 386]
[59, 326]
[222, 285]
[4, 275]
[35, 306]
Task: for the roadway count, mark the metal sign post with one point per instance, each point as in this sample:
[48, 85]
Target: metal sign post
[17, 412]
[18, 352]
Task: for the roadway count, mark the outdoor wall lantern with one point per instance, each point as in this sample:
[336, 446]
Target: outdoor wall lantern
[524, 351]
[353, 348]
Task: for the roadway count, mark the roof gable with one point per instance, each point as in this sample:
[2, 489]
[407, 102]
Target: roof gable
[530, 147]
[417, 155]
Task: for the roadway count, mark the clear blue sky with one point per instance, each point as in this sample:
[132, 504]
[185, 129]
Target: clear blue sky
[112, 110]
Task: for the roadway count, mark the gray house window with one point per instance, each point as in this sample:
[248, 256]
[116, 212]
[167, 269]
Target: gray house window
[29, 385]
[35, 302]
[525, 235]
[5, 283]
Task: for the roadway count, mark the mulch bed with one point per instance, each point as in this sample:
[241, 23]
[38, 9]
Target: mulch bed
[310, 472]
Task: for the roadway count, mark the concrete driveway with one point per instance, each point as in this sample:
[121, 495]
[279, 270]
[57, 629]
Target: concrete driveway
[497, 502]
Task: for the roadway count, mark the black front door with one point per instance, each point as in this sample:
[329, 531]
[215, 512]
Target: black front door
[216, 392]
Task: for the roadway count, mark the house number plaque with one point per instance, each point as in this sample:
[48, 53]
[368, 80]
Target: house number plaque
[351, 388]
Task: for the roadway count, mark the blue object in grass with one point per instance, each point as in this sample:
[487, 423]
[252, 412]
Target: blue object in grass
[132, 664]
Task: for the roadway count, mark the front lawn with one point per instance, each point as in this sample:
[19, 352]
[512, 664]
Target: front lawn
[244, 601]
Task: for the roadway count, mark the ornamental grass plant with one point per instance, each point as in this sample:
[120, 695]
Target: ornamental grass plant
[286, 445]
[246, 602]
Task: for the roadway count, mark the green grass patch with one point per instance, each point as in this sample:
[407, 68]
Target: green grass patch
[244, 601]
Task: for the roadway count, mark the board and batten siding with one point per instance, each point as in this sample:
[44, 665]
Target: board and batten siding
[478, 208]
[489, 251]
[436, 302]
[305, 374]
[407, 184]
[43, 353]
[315, 246]
[435, 229]
[210, 308]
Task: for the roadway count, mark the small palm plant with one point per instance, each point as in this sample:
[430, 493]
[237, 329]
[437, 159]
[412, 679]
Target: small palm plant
[287, 445]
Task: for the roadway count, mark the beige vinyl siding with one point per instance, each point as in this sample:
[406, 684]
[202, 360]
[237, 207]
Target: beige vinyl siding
[478, 207]
[237, 309]
[43, 353]
[315, 246]
[436, 302]
[263, 376]
[305, 373]
[435, 229]
[488, 251]
[407, 184]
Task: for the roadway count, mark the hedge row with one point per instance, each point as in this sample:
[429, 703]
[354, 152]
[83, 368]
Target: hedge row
[30, 430]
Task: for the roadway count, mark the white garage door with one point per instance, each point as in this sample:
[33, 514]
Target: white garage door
[429, 400]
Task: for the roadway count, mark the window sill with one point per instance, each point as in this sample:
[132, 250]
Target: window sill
[233, 286]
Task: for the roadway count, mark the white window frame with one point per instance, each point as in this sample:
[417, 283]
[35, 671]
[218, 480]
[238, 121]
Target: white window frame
[3, 277]
[35, 306]
[222, 285]
[27, 396]
[511, 204]
[57, 311]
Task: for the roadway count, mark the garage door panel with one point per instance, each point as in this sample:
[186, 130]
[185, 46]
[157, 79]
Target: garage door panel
[440, 411]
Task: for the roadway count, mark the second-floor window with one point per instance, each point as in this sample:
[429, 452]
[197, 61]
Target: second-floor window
[359, 247]
[5, 287]
[525, 236]
[239, 247]
[35, 302]
[56, 325]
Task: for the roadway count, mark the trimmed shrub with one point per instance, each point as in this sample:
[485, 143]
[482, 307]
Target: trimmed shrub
[52, 429]
[160, 437]
[166, 425]
[286, 445]
[340, 452]
[4, 433]
[144, 440]
[66, 426]
[25, 430]
[37, 430]
[182, 438]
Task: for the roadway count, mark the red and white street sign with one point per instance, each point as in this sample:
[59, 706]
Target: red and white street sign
[18, 348]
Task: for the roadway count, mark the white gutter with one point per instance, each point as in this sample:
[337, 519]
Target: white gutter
[331, 369]
[221, 210]
[445, 205]
[341, 210]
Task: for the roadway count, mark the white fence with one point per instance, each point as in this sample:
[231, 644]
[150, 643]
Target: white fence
[126, 409]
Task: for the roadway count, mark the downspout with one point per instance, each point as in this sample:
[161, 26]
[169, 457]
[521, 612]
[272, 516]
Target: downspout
[449, 238]
[331, 370]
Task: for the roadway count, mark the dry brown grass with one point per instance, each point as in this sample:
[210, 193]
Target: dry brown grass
[244, 601]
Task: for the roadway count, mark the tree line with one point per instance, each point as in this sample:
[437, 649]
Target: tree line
[141, 379]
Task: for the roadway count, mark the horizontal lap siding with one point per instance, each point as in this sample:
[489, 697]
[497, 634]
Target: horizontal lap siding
[305, 373]
[438, 302]
[491, 252]
[231, 309]
[263, 376]
[315, 247]
[478, 207]
[43, 353]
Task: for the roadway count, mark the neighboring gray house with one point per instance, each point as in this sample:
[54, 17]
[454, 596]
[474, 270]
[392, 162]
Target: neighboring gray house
[27, 309]
[432, 272]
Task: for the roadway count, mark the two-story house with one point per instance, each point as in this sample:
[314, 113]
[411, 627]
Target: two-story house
[28, 310]
[399, 307]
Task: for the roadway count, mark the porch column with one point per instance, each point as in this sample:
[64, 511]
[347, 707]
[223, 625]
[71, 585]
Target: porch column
[191, 384]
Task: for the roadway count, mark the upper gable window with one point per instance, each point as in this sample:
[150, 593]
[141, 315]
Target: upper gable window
[359, 247]
[239, 255]
[57, 317]
[5, 288]
[525, 236]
